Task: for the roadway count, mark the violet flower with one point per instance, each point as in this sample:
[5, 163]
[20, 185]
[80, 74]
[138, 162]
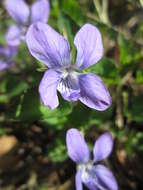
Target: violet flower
[48, 46]
[90, 172]
[24, 16]
[6, 56]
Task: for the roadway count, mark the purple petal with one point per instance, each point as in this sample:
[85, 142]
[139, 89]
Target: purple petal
[40, 11]
[13, 35]
[78, 181]
[18, 10]
[105, 177]
[48, 46]
[77, 148]
[90, 185]
[4, 51]
[4, 65]
[89, 178]
[48, 89]
[8, 51]
[69, 88]
[6, 56]
[103, 147]
[94, 94]
[88, 42]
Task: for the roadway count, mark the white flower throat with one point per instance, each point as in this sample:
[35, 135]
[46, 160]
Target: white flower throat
[88, 174]
[69, 73]
[86, 169]
[69, 85]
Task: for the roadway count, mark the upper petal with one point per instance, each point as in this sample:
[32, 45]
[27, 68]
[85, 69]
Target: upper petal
[105, 178]
[48, 89]
[13, 35]
[78, 181]
[103, 147]
[48, 46]
[18, 10]
[77, 148]
[88, 42]
[40, 11]
[93, 92]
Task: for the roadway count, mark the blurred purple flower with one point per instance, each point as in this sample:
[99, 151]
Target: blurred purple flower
[6, 56]
[48, 46]
[24, 16]
[90, 172]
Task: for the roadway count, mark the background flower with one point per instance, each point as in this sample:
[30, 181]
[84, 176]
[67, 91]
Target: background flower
[24, 16]
[6, 56]
[91, 172]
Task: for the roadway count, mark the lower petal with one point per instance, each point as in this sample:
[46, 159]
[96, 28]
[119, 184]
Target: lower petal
[89, 180]
[48, 89]
[13, 35]
[78, 181]
[94, 93]
[69, 88]
[105, 177]
[90, 185]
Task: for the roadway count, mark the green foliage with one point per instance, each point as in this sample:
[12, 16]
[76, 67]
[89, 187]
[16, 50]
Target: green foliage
[135, 110]
[128, 54]
[11, 87]
[73, 10]
[29, 108]
[57, 152]
[107, 69]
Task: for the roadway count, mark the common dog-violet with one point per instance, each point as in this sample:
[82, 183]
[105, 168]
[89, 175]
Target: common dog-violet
[24, 16]
[48, 46]
[91, 173]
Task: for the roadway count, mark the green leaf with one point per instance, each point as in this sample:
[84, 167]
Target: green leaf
[57, 151]
[135, 110]
[139, 76]
[33, 110]
[80, 116]
[65, 28]
[105, 67]
[11, 87]
[128, 54]
[73, 10]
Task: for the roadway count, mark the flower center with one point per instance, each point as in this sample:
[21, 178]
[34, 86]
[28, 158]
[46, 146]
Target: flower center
[24, 30]
[89, 175]
[86, 168]
[69, 72]
[65, 74]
